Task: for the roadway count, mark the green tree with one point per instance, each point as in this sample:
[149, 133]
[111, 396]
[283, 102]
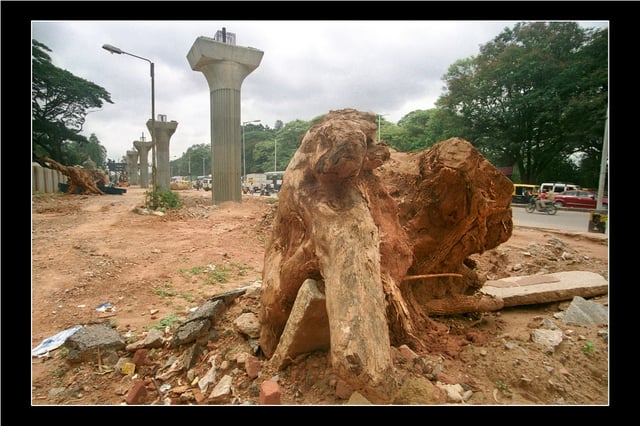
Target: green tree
[266, 154]
[190, 163]
[442, 125]
[60, 102]
[392, 135]
[77, 153]
[413, 135]
[254, 133]
[533, 98]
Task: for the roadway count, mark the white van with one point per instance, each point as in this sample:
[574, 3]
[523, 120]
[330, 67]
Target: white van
[558, 187]
[206, 184]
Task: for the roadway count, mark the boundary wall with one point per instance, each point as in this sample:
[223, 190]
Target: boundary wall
[45, 180]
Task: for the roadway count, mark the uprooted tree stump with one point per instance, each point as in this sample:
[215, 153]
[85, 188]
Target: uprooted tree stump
[387, 236]
[85, 180]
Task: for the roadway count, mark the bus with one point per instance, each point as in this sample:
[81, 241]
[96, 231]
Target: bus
[275, 179]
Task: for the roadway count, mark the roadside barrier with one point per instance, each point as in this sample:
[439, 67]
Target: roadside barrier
[44, 179]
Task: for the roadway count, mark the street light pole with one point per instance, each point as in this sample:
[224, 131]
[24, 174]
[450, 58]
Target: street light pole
[275, 155]
[119, 51]
[244, 156]
[379, 115]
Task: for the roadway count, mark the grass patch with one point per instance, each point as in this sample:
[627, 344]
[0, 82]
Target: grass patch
[188, 297]
[165, 290]
[503, 388]
[167, 321]
[215, 274]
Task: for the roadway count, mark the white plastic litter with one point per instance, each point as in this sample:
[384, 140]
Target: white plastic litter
[106, 307]
[54, 342]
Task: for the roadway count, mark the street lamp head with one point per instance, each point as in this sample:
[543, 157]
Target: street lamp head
[112, 49]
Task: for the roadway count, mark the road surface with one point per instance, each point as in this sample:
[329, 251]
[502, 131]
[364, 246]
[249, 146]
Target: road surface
[565, 220]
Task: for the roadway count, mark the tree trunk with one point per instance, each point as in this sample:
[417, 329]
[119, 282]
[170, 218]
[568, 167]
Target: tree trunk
[79, 177]
[388, 235]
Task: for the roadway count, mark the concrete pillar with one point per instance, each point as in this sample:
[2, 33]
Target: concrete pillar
[225, 67]
[164, 130]
[38, 178]
[143, 151]
[48, 181]
[132, 167]
[55, 180]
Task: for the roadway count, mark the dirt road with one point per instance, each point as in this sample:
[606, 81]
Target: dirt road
[88, 250]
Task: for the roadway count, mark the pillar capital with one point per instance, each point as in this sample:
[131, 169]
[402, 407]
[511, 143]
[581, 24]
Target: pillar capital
[224, 66]
[166, 128]
[142, 147]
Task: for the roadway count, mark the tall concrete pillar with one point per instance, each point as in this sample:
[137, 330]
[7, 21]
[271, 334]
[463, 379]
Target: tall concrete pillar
[164, 130]
[132, 167]
[225, 67]
[143, 151]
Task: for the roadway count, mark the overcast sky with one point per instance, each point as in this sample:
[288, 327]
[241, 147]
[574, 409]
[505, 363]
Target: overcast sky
[308, 69]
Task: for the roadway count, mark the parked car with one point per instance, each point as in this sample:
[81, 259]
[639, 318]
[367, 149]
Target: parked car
[578, 198]
[558, 187]
[206, 184]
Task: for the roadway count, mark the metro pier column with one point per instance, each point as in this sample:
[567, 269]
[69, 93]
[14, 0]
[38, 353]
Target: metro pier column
[163, 132]
[143, 150]
[225, 67]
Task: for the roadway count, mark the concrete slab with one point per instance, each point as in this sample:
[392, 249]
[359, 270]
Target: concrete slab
[307, 328]
[585, 313]
[544, 288]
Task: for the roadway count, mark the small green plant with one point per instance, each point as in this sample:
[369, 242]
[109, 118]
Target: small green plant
[188, 297]
[217, 276]
[242, 268]
[131, 339]
[59, 371]
[587, 348]
[503, 388]
[63, 352]
[162, 200]
[198, 270]
[185, 273]
[166, 291]
[166, 321]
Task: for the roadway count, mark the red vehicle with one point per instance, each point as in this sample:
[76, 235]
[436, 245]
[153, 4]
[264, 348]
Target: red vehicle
[578, 198]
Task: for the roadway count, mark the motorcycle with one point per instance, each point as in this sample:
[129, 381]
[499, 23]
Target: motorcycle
[549, 207]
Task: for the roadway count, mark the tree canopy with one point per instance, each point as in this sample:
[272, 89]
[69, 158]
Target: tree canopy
[534, 98]
[60, 102]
